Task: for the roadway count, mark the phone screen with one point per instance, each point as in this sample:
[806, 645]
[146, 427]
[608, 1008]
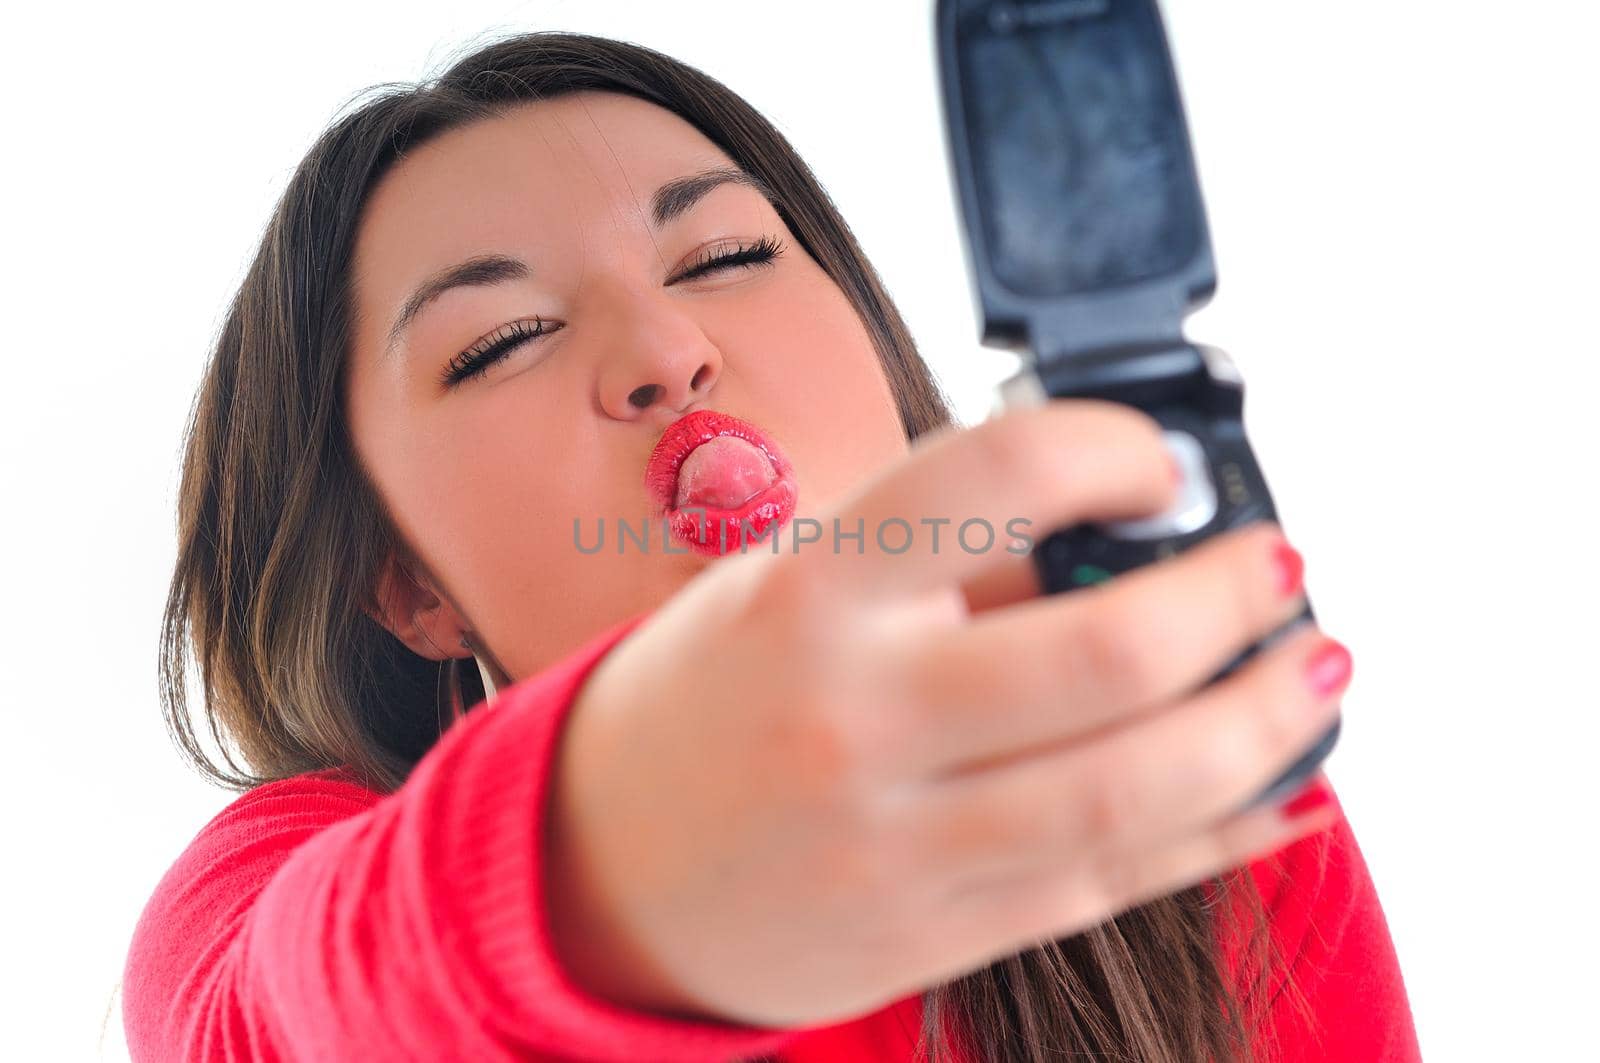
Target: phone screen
[1081, 159]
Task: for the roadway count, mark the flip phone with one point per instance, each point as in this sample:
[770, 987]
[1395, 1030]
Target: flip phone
[1087, 246]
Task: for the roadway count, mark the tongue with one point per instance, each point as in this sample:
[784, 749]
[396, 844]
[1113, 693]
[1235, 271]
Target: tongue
[723, 473]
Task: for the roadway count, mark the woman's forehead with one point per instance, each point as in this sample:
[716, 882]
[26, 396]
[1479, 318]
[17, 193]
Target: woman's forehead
[583, 152]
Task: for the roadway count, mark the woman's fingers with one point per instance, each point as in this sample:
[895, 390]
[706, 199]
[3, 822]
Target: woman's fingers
[1006, 582]
[928, 522]
[1154, 780]
[1047, 670]
[1004, 913]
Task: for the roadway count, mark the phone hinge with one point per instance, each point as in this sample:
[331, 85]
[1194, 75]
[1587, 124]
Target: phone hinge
[1140, 375]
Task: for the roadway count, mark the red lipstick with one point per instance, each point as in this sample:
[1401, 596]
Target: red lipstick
[711, 474]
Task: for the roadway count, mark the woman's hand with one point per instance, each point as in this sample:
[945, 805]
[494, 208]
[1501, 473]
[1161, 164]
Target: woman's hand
[815, 782]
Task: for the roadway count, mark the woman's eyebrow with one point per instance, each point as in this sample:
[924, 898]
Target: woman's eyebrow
[681, 193]
[673, 199]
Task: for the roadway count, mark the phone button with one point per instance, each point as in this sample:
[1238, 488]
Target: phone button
[1197, 499]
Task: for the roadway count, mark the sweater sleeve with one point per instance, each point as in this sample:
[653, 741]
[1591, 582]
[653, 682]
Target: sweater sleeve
[314, 919]
[1326, 920]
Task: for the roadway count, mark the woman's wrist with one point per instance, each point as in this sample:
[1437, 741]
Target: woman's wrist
[588, 940]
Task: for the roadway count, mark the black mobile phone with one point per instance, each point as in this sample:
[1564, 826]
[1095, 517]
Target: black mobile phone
[1087, 245]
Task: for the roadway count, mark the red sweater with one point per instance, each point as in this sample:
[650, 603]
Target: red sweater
[315, 919]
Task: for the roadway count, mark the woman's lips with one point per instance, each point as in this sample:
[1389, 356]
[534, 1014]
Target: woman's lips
[712, 475]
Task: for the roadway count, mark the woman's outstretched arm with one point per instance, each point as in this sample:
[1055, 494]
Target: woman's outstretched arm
[316, 919]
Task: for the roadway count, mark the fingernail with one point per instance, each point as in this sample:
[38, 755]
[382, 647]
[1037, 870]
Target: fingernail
[1175, 470]
[1291, 568]
[1313, 797]
[1329, 668]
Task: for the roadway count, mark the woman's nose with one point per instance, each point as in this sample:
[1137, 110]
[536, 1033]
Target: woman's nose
[647, 395]
[663, 359]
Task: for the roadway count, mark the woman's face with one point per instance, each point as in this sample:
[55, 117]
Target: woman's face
[485, 477]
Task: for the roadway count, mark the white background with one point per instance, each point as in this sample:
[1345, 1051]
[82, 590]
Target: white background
[1402, 202]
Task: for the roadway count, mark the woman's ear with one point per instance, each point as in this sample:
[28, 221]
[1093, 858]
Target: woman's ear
[408, 606]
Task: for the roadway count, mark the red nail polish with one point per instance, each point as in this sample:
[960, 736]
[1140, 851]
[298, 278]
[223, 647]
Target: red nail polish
[1329, 668]
[1291, 568]
[1313, 797]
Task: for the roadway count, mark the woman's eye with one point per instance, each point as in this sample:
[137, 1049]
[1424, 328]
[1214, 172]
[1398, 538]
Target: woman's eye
[761, 252]
[469, 363]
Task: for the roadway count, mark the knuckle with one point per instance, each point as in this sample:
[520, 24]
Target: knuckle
[1230, 750]
[1115, 651]
[1283, 722]
[828, 747]
[1106, 808]
[1264, 727]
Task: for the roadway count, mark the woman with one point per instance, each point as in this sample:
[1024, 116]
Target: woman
[804, 801]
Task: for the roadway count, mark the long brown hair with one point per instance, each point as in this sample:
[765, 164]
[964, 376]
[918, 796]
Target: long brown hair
[281, 540]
